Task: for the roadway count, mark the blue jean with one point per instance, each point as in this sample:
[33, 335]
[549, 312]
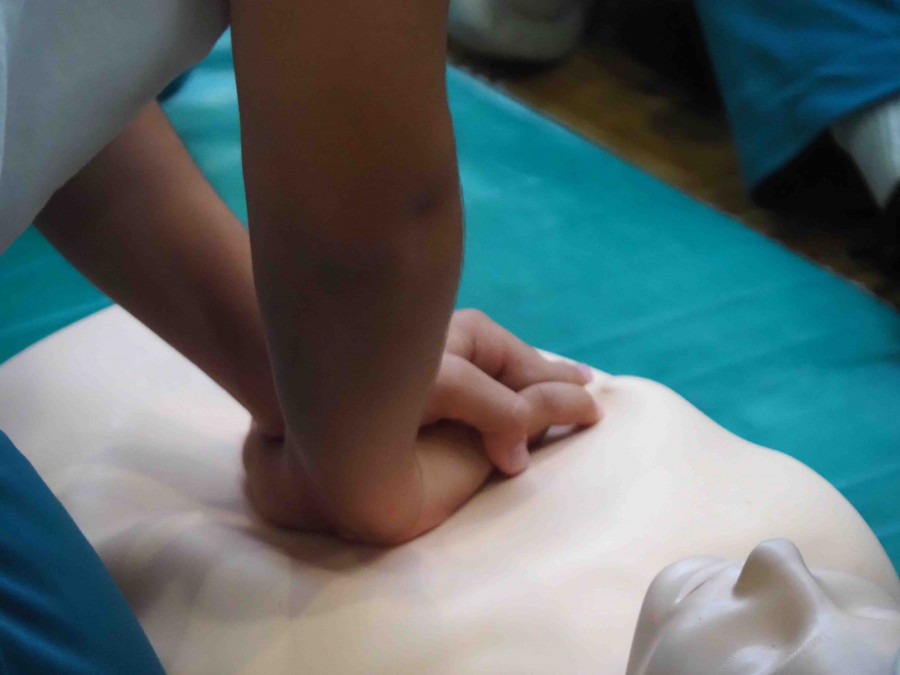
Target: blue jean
[60, 610]
[789, 69]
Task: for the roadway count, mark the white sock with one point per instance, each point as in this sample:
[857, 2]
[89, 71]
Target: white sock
[542, 9]
[872, 137]
[529, 30]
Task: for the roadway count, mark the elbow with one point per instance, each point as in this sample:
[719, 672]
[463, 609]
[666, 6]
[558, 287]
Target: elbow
[393, 210]
[420, 218]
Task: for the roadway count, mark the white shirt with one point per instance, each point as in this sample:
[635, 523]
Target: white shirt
[73, 73]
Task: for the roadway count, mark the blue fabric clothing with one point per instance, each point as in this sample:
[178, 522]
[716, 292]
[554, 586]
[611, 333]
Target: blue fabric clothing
[60, 611]
[788, 70]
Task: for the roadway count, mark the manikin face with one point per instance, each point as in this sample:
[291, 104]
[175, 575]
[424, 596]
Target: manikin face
[771, 615]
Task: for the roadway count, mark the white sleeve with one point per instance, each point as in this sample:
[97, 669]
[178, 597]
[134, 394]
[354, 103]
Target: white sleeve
[74, 72]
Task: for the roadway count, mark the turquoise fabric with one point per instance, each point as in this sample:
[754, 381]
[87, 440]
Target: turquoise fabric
[39, 293]
[582, 254]
[60, 611]
[789, 70]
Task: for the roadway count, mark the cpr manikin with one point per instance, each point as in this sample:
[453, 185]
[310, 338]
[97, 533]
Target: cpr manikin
[770, 614]
[545, 573]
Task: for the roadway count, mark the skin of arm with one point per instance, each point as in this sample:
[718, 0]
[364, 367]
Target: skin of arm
[356, 246]
[356, 224]
[144, 225]
[501, 389]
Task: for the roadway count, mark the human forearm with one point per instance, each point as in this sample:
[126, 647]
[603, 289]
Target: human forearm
[353, 199]
[356, 333]
[141, 222]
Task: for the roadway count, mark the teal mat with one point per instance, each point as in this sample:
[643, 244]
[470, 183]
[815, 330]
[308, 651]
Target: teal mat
[582, 254]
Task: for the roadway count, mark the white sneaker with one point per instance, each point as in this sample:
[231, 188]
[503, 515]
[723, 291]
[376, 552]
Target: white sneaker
[519, 30]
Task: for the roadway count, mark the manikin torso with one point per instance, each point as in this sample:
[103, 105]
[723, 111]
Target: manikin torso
[543, 573]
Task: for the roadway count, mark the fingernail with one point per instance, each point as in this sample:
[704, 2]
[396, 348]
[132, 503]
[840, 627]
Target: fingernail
[519, 457]
[586, 370]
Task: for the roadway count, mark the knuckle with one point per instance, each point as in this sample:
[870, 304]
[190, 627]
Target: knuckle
[541, 398]
[557, 401]
[470, 318]
[573, 373]
[450, 374]
[559, 370]
[455, 343]
[519, 413]
[457, 365]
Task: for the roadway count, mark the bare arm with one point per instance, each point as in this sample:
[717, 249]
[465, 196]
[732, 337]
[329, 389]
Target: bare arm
[356, 228]
[144, 225]
[356, 225]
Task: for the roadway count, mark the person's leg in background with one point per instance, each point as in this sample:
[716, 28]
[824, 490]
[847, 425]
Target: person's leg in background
[60, 611]
[790, 72]
[872, 138]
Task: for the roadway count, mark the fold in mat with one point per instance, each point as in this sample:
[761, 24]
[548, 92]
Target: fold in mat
[584, 255]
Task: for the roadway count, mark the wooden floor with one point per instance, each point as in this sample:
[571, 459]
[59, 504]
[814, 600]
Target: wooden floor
[661, 112]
